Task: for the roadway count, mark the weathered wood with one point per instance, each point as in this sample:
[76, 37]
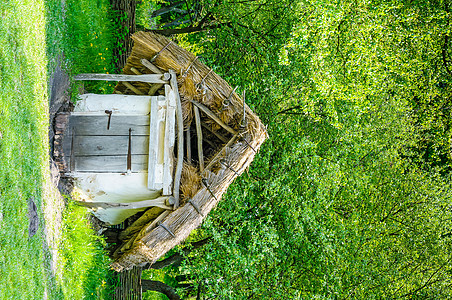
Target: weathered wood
[110, 145]
[129, 152]
[108, 164]
[220, 153]
[214, 117]
[219, 136]
[199, 137]
[153, 144]
[150, 66]
[119, 125]
[168, 147]
[128, 286]
[151, 226]
[136, 226]
[158, 202]
[151, 78]
[144, 231]
[188, 142]
[180, 138]
[134, 70]
[93, 104]
[154, 88]
[132, 88]
[62, 142]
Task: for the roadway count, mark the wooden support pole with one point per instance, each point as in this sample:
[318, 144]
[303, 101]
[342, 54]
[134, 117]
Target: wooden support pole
[229, 144]
[150, 66]
[144, 231]
[219, 136]
[214, 117]
[188, 141]
[136, 226]
[154, 88]
[131, 87]
[151, 78]
[180, 138]
[159, 202]
[155, 70]
[199, 136]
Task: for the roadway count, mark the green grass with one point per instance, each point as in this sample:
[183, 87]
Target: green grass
[33, 36]
[83, 254]
[23, 147]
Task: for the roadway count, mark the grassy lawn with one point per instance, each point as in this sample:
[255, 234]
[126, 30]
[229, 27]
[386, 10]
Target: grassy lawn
[64, 259]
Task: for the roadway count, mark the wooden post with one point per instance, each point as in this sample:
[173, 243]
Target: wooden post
[219, 136]
[180, 138]
[188, 141]
[155, 70]
[214, 117]
[199, 136]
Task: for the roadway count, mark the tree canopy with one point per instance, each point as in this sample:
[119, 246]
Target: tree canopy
[351, 195]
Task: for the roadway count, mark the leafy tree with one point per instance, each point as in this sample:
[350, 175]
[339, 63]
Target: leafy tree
[350, 196]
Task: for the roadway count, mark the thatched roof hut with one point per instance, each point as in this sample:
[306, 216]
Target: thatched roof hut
[228, 144]
[217, 138]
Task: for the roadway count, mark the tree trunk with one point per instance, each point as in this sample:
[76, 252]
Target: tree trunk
[189, 29]
[158, 286]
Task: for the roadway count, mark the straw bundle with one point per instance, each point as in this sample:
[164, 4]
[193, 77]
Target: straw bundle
[230, 157]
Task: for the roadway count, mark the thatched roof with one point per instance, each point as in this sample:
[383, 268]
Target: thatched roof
[227, 154]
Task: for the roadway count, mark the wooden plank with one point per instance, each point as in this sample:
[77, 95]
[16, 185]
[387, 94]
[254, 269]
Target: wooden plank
[153, 143]
[151, 78]
[118, 104]
[119, 125]
[180, 138]
[159, 202]
[199, 136]
[170, 135]
[109, 164]
[110, 145]
[150, 66]
[214, 117]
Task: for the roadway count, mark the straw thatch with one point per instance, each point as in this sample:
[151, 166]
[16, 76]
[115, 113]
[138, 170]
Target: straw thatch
[200, 191]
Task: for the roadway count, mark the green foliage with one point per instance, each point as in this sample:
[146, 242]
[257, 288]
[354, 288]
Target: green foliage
[90, 38]
[350, 196]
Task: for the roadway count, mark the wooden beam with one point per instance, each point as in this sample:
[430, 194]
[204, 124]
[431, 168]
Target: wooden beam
[219, 136]
[169, 138]
[154, 87]
[131, 87]
[159, 202]
[151, 78]
[180, 138]
[153, 143]
[214, 117]
[188, 142]
[199, 136]
[150, 66]
[231, 141]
